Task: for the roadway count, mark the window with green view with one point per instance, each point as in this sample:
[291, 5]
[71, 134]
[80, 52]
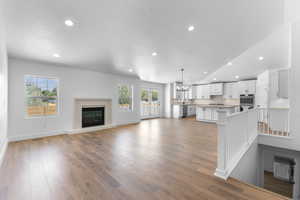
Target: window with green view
[41, 96]
[125, 97]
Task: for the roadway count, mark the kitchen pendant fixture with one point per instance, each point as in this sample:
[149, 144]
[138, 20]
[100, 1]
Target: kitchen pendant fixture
[180, 85]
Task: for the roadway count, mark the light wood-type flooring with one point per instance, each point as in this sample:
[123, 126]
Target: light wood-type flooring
[161, 159]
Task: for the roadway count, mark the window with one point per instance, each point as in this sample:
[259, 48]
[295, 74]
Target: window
[41, 96]
[125, 97]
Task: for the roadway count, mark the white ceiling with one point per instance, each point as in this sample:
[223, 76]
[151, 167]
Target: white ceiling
[274, 49]
[113, 36]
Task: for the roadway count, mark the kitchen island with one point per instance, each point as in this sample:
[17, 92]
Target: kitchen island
[209, 112]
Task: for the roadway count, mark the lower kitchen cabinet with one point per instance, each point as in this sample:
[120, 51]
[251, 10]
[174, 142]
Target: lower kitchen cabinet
[210, 114]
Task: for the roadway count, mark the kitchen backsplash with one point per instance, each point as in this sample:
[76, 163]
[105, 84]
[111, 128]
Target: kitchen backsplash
[218, 100]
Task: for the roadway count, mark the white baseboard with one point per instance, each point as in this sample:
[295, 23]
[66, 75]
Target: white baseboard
[36, 135]
[63, 132]
[90, 129]
[3, 148]
[221, 174]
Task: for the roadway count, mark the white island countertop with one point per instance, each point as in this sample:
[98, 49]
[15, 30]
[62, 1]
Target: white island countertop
[209, 112]
[216, 106]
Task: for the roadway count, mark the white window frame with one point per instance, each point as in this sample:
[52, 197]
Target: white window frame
[130, 86]
[57, 98]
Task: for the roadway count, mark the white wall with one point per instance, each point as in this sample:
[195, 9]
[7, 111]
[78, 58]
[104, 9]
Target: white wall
[274, 100]
[293, 142]
[168, 98]
[295, 83]
[267, 159]
[3, 86]
[292, 10]
[247, 169]
[73, 83]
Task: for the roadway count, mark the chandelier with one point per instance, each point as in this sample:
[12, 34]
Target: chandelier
[180, 87]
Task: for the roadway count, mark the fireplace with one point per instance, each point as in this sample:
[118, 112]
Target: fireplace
[93, 116]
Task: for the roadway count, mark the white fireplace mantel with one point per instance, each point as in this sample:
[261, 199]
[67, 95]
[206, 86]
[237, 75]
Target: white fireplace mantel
[79, 103]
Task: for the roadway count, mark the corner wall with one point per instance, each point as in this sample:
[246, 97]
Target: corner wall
[3, 86]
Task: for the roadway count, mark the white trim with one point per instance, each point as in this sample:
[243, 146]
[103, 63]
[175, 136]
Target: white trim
[3, 148]
[275, 136]
[151, 117]
[90, 129]
[63, 132]
[37, 135]
[131, 88]
[221, 174]
[207, 121]
[57, 98]
[236, 159]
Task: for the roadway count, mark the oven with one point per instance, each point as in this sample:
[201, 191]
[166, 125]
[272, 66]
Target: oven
[246, 102]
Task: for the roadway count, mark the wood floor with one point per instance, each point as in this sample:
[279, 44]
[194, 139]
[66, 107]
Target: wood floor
[275, 185]
[157, 159]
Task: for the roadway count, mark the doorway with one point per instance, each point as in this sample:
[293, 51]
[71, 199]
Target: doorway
[150, 103]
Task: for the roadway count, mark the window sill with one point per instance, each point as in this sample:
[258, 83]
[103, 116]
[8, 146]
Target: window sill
[41, 116]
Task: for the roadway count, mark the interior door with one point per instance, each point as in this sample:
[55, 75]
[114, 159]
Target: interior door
[150, 103]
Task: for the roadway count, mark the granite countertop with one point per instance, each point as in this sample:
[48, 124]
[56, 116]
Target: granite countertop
[207, 105]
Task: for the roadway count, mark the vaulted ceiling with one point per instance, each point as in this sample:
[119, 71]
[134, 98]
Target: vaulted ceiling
[117, 35]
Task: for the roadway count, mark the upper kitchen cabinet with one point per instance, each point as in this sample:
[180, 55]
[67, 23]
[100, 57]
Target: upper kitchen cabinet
[203, 92]
[178, 94]
[216, 89]
[247, 87]
[194, 92]
[231, 91]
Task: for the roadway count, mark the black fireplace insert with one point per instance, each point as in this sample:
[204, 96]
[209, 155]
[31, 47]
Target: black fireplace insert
[93, 116]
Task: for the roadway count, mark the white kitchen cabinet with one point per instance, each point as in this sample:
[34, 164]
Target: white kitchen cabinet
[203, 92]
[231, 91]
[188, 94]
[210, 114]
[247, 87]
[199, 92]
[177, 111]
[194, 92]
[207, 114]
[216, 89]
[191, 110]
[251, 86]
[199, 113]
[214, 114]
[206, 92]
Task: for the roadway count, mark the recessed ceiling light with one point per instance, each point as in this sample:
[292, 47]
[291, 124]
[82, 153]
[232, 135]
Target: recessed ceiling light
[229, 63]
[130, 70]
[56, 55]
[154, 54]
[215, 79]
[191, 28]
[237, 77]
[69, 23]
[261, 58]
[205, 72]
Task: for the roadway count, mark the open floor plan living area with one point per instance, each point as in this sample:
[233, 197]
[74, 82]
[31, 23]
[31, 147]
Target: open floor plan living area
[149, 100]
